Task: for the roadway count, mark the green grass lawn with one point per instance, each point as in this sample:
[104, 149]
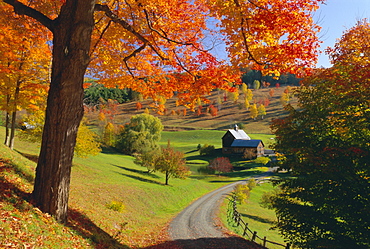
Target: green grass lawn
[97, 181]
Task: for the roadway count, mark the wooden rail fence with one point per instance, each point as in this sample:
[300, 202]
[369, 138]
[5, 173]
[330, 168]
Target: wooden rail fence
[235, 215]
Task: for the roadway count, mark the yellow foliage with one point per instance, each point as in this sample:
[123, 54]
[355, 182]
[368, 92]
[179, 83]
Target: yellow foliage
[253, 111]
[86, 142]
[241, 193]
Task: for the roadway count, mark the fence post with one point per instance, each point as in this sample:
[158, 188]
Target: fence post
[239, 219]
[254, 236]
[264, 241]
[287, 246]
[245, 229]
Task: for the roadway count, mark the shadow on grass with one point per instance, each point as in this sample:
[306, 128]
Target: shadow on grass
[141, 172]
[33, 158]
[207, 243]
[90, 231]
[22, 201]
[242, 174]
[142, 179]
[257, 218]
[191, 151]
[18, 170]
[110, 151]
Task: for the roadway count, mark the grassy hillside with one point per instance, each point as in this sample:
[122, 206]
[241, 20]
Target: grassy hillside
[98, 181]
[113, 178]
[230, 113]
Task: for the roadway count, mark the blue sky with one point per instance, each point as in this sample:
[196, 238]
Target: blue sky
[335, 17]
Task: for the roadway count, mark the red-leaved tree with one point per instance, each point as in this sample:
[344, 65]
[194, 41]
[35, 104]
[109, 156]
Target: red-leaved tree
[221, 165]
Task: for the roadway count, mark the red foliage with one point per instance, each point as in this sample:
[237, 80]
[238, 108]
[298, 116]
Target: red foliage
[213, 110]
[221, 164]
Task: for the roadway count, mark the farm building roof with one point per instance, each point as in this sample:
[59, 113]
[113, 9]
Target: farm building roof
[239, 134]
[246, 143]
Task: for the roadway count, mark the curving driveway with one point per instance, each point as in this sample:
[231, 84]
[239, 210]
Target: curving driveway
[196, 226]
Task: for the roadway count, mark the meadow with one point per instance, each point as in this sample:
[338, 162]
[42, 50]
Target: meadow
[146, 205]
[110, 177]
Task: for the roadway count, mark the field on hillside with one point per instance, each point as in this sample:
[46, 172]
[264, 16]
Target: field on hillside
[148, 205]
[230, 112]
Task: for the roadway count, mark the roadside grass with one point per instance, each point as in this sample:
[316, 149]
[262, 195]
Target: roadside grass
[259, 219]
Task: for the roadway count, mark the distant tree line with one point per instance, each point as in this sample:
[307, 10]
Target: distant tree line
[96, 92]
[250, 76]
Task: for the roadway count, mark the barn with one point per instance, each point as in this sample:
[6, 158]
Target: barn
[236, 141]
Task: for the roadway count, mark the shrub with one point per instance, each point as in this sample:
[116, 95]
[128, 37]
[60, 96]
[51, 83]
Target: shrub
[262, 160]
[206, 150]
[241, 193]
[116, 206]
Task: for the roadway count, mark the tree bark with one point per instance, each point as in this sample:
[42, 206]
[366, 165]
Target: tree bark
[7, 133]
[14, 113]
[71, 44]
[167, 177]
[7, 121]
[12, 130]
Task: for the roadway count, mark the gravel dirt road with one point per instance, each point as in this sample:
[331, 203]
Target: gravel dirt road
[197, 227]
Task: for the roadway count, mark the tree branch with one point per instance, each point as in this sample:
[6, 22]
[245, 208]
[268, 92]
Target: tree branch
[128, 27]
[244, 31]
[21, 9]
[164, 35]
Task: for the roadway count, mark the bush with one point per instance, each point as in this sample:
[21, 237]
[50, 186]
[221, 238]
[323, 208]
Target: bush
[116, 206]
[241, 193]
[262, 160]
[206, 150]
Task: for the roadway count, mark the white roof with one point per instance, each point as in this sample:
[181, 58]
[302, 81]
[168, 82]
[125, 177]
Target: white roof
[239, 134]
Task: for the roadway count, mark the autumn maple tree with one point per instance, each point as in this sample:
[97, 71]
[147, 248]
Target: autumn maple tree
[171, 163]
[326, 144]
[24, 69]
[156, 48]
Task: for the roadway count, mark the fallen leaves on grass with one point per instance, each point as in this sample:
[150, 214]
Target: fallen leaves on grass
[24, 226]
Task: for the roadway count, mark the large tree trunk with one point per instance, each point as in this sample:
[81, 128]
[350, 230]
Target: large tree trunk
[71, 44]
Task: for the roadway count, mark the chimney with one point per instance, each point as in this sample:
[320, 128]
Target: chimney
[236, 127]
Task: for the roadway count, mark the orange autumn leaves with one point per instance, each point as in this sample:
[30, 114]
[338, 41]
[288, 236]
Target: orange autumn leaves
[160, 52]
[24, 62]
[157, 47]
[272, 36]
[161, 44]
